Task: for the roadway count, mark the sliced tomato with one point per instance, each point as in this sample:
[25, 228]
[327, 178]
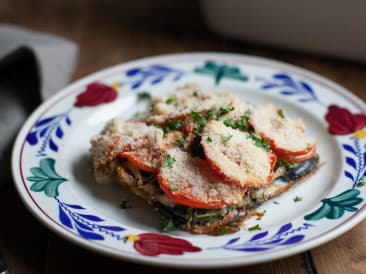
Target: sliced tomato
[143, 160]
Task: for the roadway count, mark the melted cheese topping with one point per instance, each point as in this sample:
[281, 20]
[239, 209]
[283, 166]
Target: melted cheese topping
[234, 154]
[285, 132]
[194, 179]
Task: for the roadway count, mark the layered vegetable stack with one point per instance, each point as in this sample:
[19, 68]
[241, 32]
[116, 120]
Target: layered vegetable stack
[204, 160]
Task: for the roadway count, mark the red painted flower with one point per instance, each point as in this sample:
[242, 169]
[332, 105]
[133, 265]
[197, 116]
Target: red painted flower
[342, 121]
[153, 244]
[95, 94]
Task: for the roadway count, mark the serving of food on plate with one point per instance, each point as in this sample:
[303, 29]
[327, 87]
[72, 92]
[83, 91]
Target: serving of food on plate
[204, 160]
[275, 167]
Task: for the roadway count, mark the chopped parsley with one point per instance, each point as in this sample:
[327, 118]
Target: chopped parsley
[222, 111]
[209, 140]
[137, 114]
[280, 113]
[254, 228]
[210, 114]
[196, 133]
[171, 100]
[221, 231]
[276, 203]
[168, 161]
[229, 123]
[173, 187]
[362, 182]
[167, 225]
[144, 95]
[181, 142]
[225, 139]
[195, 94]
[286, 164]
[260, 142]
[172, 125]
[198, 118]
[297, 199]
[124, 204]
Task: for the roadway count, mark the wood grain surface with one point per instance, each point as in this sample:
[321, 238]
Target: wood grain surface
[112, 32]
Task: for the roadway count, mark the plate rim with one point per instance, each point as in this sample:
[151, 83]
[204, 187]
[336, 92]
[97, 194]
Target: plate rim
[157, 261]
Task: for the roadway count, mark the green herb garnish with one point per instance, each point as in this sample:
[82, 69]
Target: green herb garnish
[280, 113]
[362, 182]
[144, 95]
[229, 123]
[181, 142]
[286, 164]
[209, 140]
[195, 94]
[227, 138]
[124, 205]
[221, 231]
[297, 199]
[222, 111]
[196, 133]
[171, 100]
[276, 203]
[173, 187]
[167, 225]
[259, 142]
[198, 118]
[255, 228]
[168, 161]
[210, 114]
[172, 125]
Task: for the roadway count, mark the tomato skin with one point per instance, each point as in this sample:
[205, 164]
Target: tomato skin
[291, 156]
[182, 199]
[135, 158]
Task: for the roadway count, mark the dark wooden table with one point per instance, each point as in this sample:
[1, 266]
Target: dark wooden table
[109, 33]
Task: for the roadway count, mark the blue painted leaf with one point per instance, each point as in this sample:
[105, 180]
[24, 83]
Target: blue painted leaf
[349, 148]
[269, 86]
[91, 217]
[39, 186]
[157, 80]
[64, 219]
[112, 228]
[304, 100]
[68, 121]
[364, 157]
[45, 121]
[137, 84]
[272, 242]
[349, 175]
[351, 162]
[75, 206]
[284, 228]
[288, 92]
[282, 76]
[32, 138]
[178, 76]
[293, 240]
[52, 145]
[59, 132]
[132, 72]
[89, 235]
[259, 236]
[233, 240]
[306, 87]
[43, 132]
[83, 226]
[162, 68]
[253, 249]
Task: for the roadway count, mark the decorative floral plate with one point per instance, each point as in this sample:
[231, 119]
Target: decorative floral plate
[54, 178]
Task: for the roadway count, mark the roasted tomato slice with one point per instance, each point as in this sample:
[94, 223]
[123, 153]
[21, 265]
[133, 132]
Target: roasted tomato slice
[189, 181]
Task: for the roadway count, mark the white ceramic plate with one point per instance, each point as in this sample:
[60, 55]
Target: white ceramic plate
[55, 180]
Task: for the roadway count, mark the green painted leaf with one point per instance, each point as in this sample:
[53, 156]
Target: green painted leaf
[351, 208]
[46, 178]
[51, 188]
[350, 202]
[335, 212]
[346, 195]
[48, 167]
[319, 213]
[39, 186]
[37, 172]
